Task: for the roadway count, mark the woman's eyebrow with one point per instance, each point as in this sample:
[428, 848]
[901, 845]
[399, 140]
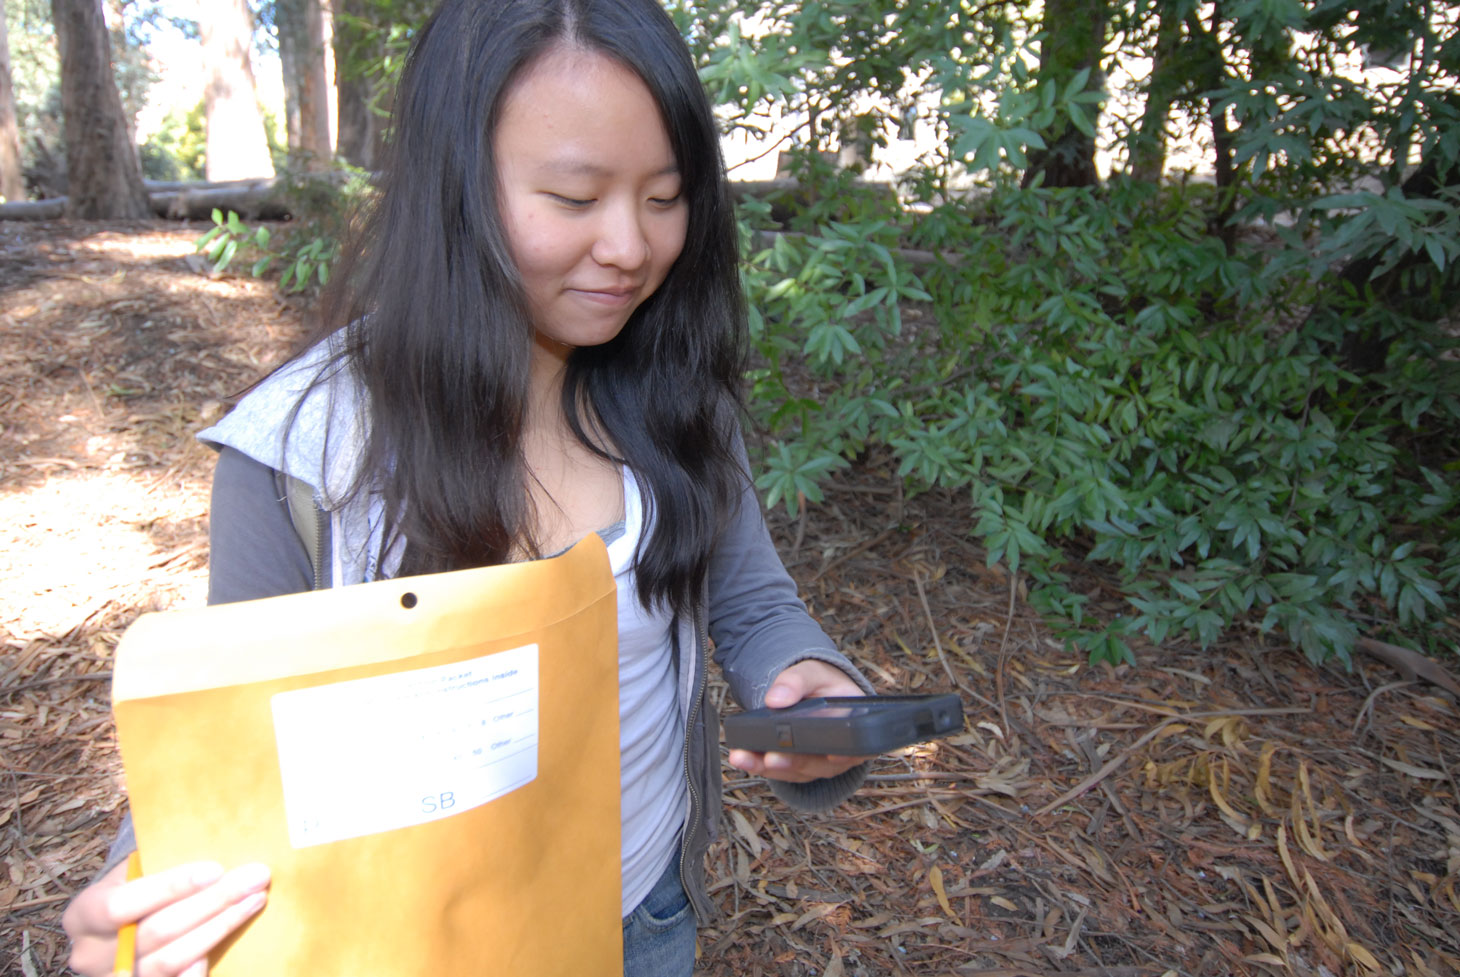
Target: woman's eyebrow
[582, 167]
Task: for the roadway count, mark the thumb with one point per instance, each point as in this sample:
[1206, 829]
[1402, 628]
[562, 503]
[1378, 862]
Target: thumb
[787, 690]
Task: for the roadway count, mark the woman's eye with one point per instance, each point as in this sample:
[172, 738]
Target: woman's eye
[570, 201]
[665, 201]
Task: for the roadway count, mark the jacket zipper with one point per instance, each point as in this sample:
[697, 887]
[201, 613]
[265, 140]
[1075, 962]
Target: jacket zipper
[321, 553]
[696, 803]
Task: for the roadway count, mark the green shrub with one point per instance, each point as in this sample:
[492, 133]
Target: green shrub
[304, 254]
[1119, 396]
[176, 151]
[1231, 407]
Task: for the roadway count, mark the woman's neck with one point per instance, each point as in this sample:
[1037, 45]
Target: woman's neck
[573, 490]
[548, 368]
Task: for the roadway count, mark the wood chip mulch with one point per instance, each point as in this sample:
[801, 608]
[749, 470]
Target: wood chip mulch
[1228, 812]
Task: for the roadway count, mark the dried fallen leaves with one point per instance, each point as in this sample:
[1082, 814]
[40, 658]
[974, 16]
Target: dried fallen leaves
[112, 352]
[1229, 813]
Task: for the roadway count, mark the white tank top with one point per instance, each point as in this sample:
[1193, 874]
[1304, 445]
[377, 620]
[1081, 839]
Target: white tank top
[651, 736]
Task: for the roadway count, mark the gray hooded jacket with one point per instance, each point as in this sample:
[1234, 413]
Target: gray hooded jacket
[750, 607]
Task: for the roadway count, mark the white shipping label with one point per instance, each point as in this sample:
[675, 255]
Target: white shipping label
[375, 754]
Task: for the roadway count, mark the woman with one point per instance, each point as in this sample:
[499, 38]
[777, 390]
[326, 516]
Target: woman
[540, 336]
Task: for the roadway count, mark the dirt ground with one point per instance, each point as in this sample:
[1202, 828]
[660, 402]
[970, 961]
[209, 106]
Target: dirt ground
[1234, 811]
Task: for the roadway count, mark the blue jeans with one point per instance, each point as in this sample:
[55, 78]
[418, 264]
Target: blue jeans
[659, 935]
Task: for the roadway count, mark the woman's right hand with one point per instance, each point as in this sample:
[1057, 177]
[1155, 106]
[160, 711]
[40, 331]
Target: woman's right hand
[181, 914]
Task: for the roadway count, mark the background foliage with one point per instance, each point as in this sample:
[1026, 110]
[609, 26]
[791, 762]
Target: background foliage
[36, 77]
[1176, 407]
[1230, 405]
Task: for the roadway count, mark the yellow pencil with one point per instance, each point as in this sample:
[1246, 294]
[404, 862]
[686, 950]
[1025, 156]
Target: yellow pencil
[126, 959]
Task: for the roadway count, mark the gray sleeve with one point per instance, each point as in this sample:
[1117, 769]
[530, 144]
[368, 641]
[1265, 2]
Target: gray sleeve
[254, 552]
[757, 619]
[122, 845]
[761, 627]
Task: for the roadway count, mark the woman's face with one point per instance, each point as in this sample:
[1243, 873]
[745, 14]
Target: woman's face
[590, 192]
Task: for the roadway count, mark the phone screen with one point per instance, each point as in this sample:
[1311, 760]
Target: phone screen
[832, 712]
[849, 707]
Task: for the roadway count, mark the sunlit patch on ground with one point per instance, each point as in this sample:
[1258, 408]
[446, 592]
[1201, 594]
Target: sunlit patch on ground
[76, 544]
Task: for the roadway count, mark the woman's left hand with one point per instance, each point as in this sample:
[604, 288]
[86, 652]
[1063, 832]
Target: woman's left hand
[804, 680]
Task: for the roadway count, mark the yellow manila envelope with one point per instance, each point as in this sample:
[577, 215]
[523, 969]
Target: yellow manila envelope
[429, 766]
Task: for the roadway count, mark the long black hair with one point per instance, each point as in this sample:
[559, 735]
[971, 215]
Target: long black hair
[437, 329]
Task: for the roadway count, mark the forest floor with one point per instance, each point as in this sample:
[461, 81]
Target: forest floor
[1232, 811]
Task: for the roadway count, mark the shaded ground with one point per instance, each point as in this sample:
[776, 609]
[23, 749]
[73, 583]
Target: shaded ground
[1227, 812]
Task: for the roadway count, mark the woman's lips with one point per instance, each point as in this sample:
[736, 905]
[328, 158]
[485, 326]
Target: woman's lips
[607, 296]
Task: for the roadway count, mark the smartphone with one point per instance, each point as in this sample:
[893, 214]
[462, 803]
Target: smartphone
[850, 726]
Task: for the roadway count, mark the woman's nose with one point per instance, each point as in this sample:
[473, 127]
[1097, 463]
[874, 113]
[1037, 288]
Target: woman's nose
[622, 242]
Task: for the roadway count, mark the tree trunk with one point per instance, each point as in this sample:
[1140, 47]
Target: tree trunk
[105, 177]
[1074, 36]
[125, 65]
[1209, 70]
[327, 44]
[288, 31]
[354, 90]
[237, 147]
[1148, 146]
[306, 90]
[12, 180]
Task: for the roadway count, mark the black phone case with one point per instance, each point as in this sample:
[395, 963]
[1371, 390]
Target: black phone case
[877, 724]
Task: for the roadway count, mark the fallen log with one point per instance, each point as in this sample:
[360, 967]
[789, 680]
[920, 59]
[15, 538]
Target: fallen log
[252, 200]
[157, 186]
[260, 200]
[34, 210]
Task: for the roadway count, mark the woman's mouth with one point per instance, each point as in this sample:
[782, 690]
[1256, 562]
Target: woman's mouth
[607, 296]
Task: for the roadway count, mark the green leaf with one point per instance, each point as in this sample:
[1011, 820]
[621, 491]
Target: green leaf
[230, 248]
[1436, 251]
[1077, 83]
[1080, 119]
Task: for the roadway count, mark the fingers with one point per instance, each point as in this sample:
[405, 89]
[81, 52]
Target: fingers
[130, 902]
[93, 945]
[178, 936]
[788, 689]
[94, 917]
[188, 954]
[792, 767]
[86, 912]
[809, 679]
[804, 680]
[182, 913]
